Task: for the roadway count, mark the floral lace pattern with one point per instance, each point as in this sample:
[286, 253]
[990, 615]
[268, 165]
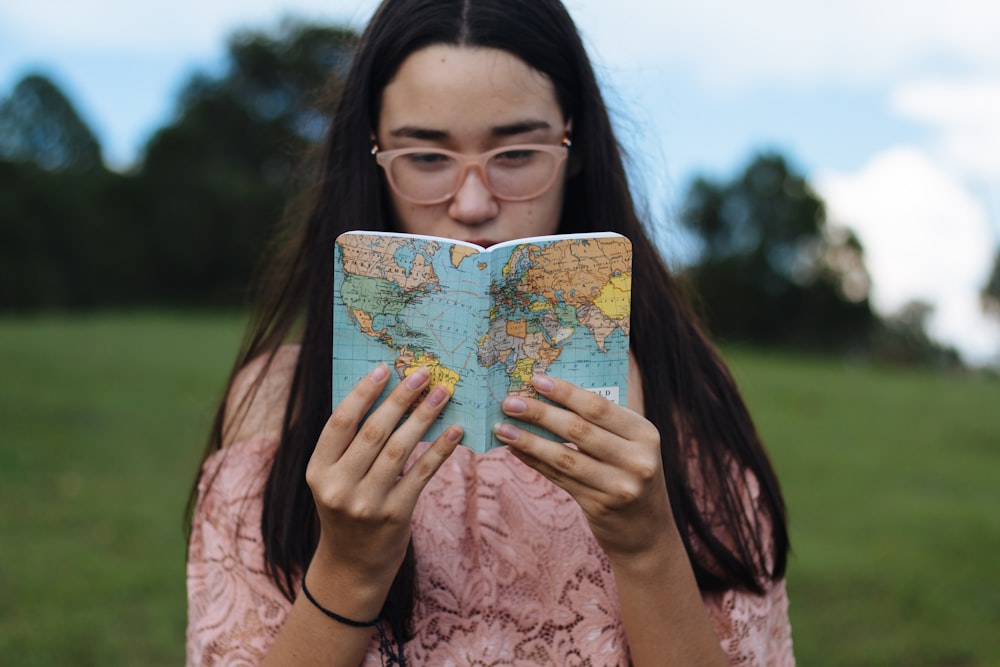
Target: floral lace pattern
[508, 574]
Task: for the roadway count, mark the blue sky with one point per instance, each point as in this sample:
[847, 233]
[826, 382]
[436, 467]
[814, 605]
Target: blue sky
[891, 108]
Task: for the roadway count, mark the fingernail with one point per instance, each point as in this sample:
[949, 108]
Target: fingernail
[453, 434]
[513, 405]
[437, 396]
[542, 383]
[505, 431]
[416, 379]
[379, 373]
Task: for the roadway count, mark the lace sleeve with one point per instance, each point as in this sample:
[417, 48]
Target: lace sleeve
[753, 629]
[234, 609]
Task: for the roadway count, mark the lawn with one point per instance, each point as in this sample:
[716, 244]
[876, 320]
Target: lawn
[892, 480]
[102, 422]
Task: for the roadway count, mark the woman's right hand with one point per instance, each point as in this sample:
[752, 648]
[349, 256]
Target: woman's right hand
[363, 497]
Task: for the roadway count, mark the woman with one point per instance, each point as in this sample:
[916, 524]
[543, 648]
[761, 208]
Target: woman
[657, 538]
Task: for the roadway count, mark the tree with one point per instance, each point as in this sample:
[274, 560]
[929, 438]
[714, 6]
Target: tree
[64, 243]
[39, 124]
[58, 226]
[218, 177]
[902, 338]
[990, 294]
[770, 270]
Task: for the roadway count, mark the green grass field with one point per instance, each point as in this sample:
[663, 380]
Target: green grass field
[892, 480]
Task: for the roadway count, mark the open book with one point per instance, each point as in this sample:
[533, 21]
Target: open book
[483, 321]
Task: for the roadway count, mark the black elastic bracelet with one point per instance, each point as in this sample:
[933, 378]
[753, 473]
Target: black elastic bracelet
[337, 617]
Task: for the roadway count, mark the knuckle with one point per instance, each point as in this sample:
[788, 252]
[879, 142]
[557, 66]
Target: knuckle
[362, 509]
[394, 452]
[425, 469]
[565, 462]
[401, 398]
[580, 430]
[340, 421]
[624, 493]
[312, 477]
[650, 433]
[596, 407]
[372, 434]
[329, 497]
[647, 470]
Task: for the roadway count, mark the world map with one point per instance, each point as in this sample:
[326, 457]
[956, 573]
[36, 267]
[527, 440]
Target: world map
[483, 322]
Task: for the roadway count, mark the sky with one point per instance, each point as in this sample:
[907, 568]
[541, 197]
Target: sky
[890, 108]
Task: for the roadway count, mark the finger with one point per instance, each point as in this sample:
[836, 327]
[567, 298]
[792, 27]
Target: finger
[380, 424]
[572, 470]
[569, 426]
[390, 461]
[343, 423]
[592, 407]
[426, 466]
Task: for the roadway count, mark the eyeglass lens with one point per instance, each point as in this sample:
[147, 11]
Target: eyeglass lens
[430, 175]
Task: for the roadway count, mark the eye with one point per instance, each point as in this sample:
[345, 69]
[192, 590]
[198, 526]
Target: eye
[515, 158]
[427, 160]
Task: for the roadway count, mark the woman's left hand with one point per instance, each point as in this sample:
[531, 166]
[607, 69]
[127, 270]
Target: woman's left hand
[615, 471]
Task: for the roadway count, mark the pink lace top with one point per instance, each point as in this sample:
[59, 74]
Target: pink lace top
[508, 573]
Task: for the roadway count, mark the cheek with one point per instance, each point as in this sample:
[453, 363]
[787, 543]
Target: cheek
[545, 214]
[536, 219]
[413, 219]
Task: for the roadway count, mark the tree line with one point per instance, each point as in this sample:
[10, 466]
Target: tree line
[186, 225]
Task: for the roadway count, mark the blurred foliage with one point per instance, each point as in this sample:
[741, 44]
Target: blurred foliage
[221, 173]
[63, 239]
[990, 293]
[902, 339]
[187, 224]
[771, 270]
[39, 125]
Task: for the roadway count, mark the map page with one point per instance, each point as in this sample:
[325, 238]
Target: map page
[483, 321]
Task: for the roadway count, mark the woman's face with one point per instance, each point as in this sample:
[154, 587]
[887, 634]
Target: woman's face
[471, 100]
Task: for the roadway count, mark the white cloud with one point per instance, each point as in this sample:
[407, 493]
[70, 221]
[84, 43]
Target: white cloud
[965, 113]
[733, 43]
[925, 237]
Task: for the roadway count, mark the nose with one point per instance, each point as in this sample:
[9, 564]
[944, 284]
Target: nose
[473, 204]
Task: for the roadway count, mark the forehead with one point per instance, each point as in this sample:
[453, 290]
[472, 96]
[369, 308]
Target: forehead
[459, 88]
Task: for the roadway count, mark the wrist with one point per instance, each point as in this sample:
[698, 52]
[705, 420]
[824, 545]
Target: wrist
[346, 593]
[662, 548]
[343, 620]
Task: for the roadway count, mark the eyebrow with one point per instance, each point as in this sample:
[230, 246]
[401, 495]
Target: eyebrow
[520, 127]
[419, 133]
[509, 130]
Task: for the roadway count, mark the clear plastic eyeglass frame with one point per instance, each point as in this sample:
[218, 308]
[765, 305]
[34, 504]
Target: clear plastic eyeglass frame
[466, 162]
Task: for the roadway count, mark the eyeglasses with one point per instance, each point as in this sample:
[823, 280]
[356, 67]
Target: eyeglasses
[435, 175]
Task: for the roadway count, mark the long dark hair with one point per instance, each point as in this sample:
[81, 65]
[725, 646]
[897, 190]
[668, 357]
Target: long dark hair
[708, 440]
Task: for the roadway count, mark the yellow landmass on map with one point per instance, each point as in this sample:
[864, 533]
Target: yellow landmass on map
[407, 362]
[522, 371]
[613, 300]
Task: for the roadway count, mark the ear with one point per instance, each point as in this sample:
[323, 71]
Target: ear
[574, 165]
